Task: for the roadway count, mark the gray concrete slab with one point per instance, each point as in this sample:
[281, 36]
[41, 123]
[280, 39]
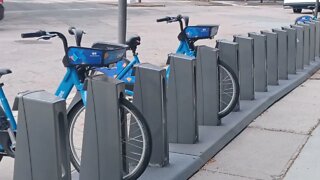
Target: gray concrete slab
[315, 76]
[307, 165]
[257, 154]
[6, 168]
[310, 90]
[210, 175]
[304, 114]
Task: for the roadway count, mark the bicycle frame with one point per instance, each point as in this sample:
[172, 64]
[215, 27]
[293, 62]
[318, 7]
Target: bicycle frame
[7, 110]
[69, 81]
[183, 48]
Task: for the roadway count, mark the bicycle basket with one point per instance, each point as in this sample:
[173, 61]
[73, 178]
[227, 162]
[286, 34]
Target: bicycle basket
[95, 57]
[304, 19]
[201, 31]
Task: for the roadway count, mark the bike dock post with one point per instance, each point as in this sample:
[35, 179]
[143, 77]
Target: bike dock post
[150, 99]
[102, 150]
[292, 49]
[246, 80]
[260, 61]
[272, 57]
[41, 151]
[306, 44]
[299, 47]
[312, 42]
[317, 38]
[283, 53]
[182, 100]
[207, 86]
[228, 53]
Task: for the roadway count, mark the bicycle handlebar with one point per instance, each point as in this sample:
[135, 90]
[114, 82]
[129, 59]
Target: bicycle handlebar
[48, 35]
[164, 19]
[178, 18]
[33, 35]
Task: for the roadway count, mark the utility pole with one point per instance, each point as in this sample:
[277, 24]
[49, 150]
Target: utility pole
[122, 21]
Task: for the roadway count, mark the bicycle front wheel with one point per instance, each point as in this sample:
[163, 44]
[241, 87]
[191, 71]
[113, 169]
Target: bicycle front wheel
[135, 138]
[229, 89]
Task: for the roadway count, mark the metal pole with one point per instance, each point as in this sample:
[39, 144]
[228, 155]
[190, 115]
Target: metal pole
[122, 21]
[316, 9]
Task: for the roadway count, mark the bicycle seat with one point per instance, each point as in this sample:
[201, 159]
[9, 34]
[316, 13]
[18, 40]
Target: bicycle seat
[4, 72]
[133, 42]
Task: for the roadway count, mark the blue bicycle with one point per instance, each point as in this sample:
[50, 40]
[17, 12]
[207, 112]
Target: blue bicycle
[79, 62]
[307, 18]
[229, 85]
[228, 81]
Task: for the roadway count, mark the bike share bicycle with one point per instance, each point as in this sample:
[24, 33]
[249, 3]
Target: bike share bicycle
[307, 18]
[123, 70]
[229, 86]
[228, 81]
[79, 62]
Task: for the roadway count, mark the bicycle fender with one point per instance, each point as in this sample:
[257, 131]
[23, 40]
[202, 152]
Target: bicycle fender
[76, 99]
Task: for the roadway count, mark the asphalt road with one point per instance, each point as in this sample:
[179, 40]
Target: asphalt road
[37, 64]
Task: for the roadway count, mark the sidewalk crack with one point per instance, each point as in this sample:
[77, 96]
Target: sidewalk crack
[231, 174]
[280, 130]
[295, 156]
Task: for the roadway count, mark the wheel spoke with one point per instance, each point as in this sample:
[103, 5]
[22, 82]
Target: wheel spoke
[136, 149]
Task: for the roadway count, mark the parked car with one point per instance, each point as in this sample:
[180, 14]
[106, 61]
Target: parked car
[1, 10]
[298, 5]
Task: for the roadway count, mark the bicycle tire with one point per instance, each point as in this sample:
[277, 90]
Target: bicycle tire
[236, 89]
[124, 103]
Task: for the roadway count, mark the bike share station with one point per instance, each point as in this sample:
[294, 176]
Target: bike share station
[182, 114]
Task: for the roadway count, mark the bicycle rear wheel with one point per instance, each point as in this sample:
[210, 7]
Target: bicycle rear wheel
[229, 89]
[135, 138]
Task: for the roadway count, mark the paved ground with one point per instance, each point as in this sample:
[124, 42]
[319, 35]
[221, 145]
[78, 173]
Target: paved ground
[282, 142]
[37, 65]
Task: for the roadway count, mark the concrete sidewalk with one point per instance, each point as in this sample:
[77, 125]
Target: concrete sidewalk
[281, 143]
